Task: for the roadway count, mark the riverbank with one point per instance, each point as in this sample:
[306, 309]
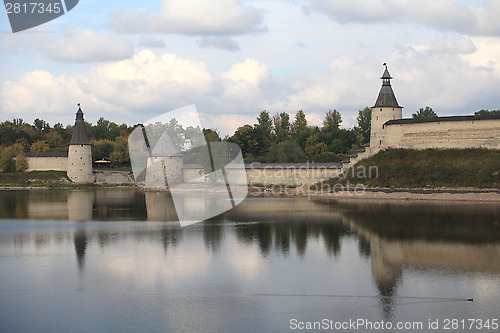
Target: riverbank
[391, 194]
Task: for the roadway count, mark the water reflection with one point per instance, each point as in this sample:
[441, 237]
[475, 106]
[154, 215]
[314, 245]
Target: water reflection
[257, 241]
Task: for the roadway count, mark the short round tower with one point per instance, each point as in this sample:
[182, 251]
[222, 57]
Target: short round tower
[386, 108]
[80, 153]
[164, 165]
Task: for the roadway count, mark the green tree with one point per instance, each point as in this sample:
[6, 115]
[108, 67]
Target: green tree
[102, 148]
[424, 113]
[54, 140]
[364, 123]
[299, 130]
[245, 138]
[40, 125]
[314, 146]
[120, 156]
[211, 135]
[332, 121]
[263, 133]
[484, 112]
[281, 124]
[287, 151]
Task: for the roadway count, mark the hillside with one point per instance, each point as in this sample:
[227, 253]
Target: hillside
[429, 168]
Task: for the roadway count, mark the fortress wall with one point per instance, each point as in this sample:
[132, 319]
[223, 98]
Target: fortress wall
[483, 133]
[47, 164]
[276, 176]
[291, 177]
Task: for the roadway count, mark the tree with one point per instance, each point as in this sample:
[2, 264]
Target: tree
[211, 135]
[54, 140]
[120, 154]
[101, 149]
[486, 112]
[314, 146]
[39, 146]
[263, 131]
[332, 121]
[424, 113]
[40, 125]
[364, 123]
[299, 130]
[287, 151]
[21, 162]
[281, 124]
[245, 138]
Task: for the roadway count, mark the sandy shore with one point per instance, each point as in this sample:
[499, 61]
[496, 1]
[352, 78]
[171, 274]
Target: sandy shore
[460, 194]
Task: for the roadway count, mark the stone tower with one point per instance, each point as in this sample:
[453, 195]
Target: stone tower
[80, 153]
[164, 165]
[386, 108]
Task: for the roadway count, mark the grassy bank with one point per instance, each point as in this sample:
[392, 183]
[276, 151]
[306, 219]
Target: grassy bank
[34, 178]
[52, 179]
[478, 168]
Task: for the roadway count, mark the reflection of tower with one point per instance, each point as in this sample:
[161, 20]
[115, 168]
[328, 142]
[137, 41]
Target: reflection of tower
[164, 166]
[80, 205]
[386, 108]
[386, 276]
[80, 240]
[79, 152]
[160, 206]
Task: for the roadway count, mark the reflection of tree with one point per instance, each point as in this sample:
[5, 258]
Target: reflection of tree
[465, 223]
[213, 233]
[170, 237]
[14, 204]
[280, 236]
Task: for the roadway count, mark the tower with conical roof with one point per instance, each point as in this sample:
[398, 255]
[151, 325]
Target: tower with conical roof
[386, 108]
[80, 153]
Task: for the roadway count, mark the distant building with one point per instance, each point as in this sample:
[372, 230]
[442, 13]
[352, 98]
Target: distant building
[80, 152]
[390, 130]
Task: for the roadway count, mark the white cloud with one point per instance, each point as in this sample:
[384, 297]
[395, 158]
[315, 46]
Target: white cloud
[446, 15]
[195, 17]
[152, 43]
[220, 42]
[80, 45]
[457, 77]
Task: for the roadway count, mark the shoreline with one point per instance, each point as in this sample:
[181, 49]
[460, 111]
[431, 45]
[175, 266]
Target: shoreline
[491, 195]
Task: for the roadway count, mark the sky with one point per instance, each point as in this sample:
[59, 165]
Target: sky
[129, 61]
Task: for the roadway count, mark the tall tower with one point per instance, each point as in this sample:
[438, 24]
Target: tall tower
[80, 153]
[386, 108]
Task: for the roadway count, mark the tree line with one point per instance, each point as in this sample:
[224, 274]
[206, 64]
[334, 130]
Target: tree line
[273, 138]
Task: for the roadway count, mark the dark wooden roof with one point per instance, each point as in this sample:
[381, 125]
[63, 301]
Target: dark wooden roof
[80, 135]
[48, 154]
[439, 119]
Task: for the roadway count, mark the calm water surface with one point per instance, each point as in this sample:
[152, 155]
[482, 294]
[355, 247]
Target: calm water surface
[117, 261]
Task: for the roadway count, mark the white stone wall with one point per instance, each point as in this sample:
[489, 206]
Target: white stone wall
[160, 170]
[47, 164]
[80, 164]
[290, 177]
[483, 133]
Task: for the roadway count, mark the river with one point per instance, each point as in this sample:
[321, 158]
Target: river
[113, 260]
